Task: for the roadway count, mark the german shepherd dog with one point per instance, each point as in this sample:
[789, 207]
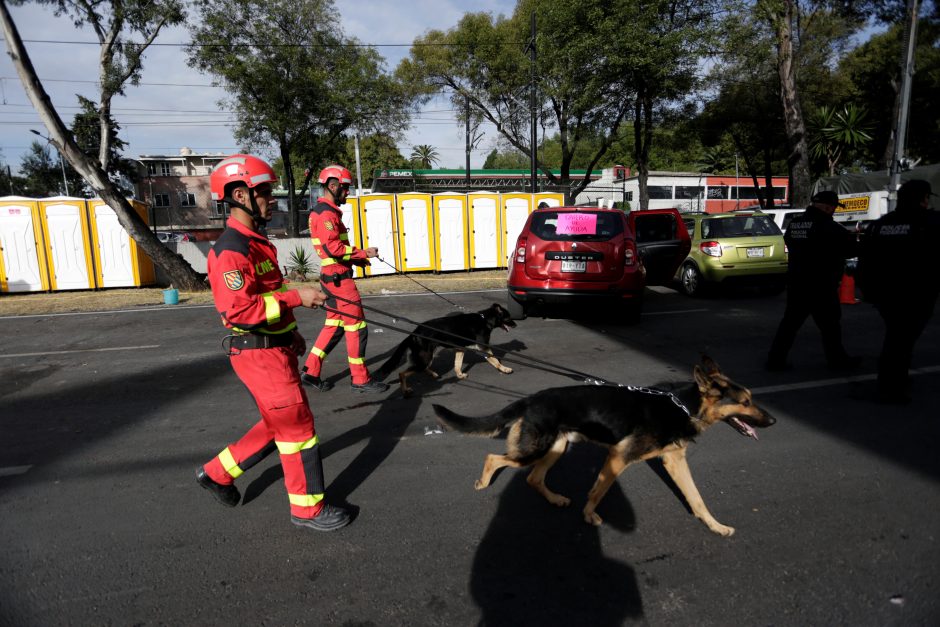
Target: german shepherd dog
[635, 424]
[468, 330]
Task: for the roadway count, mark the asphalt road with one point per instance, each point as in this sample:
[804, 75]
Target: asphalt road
[105, 417]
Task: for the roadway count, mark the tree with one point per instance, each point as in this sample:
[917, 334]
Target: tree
[86, 130]
[114, 23]
[296, 81]
[424, 156]
[376, 152]
[835, 132]
[41, 172]
[595, 58]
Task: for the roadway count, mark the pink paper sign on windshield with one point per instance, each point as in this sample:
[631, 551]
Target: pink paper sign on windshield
[576, 224]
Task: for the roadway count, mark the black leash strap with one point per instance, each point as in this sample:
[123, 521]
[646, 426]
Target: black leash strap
[397, 271]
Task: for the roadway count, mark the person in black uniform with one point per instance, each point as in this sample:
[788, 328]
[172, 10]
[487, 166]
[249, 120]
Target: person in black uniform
[896, 274]
[818, 249]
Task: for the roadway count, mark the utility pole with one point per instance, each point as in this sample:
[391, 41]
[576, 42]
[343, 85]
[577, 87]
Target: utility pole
[358, 167]
[467, 111]
[907, 75]
[532, 106]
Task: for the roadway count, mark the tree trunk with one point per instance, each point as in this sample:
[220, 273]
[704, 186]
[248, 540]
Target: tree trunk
[643, 137]
[798, 159]
[180, 272]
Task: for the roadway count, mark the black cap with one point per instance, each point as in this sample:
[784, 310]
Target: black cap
[914, 191]
[828, 197]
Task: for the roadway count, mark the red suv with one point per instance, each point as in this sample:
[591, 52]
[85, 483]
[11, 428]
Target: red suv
[574, 255]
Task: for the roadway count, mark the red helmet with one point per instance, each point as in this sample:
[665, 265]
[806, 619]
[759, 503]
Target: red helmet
[335, 172]
[246, 169]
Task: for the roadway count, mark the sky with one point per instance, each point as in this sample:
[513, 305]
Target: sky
[175, 106]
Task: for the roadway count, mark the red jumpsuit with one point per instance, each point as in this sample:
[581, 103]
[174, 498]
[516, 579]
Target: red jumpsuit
[247, 287]
[337, 256]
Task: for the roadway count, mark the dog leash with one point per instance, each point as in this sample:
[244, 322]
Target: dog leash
[522, 360]
[411, 278]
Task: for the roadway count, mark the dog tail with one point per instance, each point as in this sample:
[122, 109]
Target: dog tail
[392, 362]
[481, 425]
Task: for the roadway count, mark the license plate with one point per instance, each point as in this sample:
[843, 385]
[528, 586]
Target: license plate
[755, 252]
[574, 266]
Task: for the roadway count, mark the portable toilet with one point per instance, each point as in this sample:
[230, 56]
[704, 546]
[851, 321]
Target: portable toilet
[553, 199]
[516, 209]
[484, 222]
[377, 217]
[68, 243]
[350, 213]
[450, 232]
[119, 262]
[23, 266]
[415, 244]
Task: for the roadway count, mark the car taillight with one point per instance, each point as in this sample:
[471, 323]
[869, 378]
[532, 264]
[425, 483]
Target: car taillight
[520, 250]
[712, 249]
[629, 255]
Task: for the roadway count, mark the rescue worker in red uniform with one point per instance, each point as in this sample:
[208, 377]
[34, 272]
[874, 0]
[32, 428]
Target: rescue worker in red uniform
[337, 258]
[248, 289]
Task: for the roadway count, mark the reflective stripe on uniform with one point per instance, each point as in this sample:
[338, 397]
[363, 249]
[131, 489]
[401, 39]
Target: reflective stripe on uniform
[333, 322]
[316, 351]
[349, 328]
[272, 308]
[356, 360]
[304, 500]
[229, 464]
[289, 448]
[327, 261]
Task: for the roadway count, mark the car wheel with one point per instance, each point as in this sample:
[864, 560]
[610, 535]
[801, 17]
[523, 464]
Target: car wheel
[516, 309]
[691, 280]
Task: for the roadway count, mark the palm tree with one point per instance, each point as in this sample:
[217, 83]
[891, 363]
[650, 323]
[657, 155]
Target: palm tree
[425, 156]
[834, 132]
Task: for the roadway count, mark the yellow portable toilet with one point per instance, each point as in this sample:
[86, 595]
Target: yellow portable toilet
[23, 265]
[414, 232]
[68, 243]
[377, 217]
[450, 232]
[553, 199]
[485, 230]
[119, 262]
[516, 209]
[350, 211]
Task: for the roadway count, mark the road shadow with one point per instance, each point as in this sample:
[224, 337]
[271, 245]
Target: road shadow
[542, 565]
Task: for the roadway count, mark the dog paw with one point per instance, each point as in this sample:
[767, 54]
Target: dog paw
[722, 530]
[462, 375]
[479, 485]
[559, 501]
[593, 519]
[505, 370]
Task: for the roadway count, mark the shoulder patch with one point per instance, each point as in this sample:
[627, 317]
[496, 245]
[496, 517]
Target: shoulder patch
[328, 225]
[234, 279]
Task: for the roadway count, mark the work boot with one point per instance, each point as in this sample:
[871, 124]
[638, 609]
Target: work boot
[371, 386]
[330, 518]
[227, 495]
[316, 382]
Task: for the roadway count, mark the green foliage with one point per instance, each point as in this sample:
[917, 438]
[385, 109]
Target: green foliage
[41, 172]
[834, 133]
[424, 156]
[295, 80]
[300, 262]
[86, 129]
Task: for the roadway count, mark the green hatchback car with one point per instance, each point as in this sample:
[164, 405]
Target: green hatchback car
[733, 248]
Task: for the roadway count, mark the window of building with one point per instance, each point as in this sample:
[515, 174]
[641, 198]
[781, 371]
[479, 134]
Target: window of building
[219, 208]
[718, 192]
[151, 169]
[685, 192]
[161, 200]
[750, 193]
[660, 192]
[628, 196]
[187, 199]
[165, 169]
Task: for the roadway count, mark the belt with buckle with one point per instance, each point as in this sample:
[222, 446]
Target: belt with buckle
[337, 278]
[257, 340]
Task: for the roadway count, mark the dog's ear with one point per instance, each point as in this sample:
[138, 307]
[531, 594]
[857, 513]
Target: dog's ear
[710, 366]
[702, 380]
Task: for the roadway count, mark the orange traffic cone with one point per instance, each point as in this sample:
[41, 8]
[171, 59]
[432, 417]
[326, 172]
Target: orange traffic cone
[847, 290]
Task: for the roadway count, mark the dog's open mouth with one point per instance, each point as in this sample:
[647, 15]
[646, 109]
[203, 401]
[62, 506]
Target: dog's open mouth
[742, 427]
[505, 326]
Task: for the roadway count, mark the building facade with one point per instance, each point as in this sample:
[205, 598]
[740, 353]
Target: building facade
[177, 189]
